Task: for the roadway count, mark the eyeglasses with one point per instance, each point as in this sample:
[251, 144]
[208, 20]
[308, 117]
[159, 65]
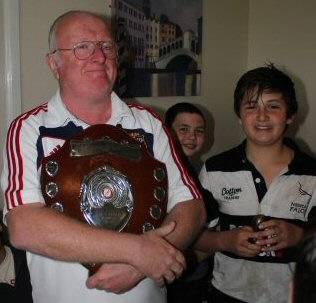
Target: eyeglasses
[85, 49]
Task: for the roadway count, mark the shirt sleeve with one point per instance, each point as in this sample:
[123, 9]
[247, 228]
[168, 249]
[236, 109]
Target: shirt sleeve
[181, 185]
[20, 180]
[211, 204]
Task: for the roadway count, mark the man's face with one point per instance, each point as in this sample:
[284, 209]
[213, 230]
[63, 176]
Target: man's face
[190, 131]
[93, 77]
[264, 120]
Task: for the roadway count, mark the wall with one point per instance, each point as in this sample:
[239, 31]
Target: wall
[2, 76]
[238, 34]
[35, 19]
[225, 52]
[284, 32]
[225, 48]
[2, 89]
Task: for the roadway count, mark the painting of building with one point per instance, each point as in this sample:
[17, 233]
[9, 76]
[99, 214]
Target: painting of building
[159, 54]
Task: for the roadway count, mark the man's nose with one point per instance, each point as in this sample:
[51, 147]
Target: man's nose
[98, 54]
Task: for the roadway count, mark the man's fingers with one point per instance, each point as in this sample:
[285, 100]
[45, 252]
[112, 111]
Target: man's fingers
[177, 270]
[165, 230]
[169, 277]
[91, 282]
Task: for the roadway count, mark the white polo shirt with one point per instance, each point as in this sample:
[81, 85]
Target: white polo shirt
[40, 132]
[240, 192]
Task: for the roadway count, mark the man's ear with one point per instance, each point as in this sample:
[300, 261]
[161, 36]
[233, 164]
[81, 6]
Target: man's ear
[53, 65]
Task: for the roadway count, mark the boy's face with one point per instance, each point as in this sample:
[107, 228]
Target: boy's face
[190, 131]
[264, 120]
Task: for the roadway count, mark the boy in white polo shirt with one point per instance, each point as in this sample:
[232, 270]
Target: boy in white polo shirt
[267, 175]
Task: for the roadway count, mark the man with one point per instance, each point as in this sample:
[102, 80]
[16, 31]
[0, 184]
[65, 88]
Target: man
[265, 175]
[83, 59]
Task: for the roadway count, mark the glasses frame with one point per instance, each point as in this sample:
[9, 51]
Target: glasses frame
[96, 44]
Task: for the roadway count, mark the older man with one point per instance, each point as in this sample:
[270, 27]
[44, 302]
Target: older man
[83, 59]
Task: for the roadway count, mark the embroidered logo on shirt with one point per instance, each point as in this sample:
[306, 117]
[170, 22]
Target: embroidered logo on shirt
[231, 193]
[297, 206]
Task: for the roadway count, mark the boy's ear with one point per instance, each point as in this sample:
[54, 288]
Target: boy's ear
[53, 65]
[290, 119]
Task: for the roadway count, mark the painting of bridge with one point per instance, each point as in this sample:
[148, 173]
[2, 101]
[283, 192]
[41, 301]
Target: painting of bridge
[159, 44]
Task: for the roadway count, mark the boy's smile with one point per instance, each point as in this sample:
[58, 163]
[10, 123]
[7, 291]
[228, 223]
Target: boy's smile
[264, 120]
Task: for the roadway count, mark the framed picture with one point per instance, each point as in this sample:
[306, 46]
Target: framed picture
[159, 45]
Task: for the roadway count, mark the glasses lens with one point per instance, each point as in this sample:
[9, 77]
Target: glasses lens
[84, 50]
[109, 49]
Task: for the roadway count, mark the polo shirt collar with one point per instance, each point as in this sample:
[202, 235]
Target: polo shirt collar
[293, 165]
[120, 110]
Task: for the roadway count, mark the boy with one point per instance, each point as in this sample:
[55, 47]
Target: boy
[264, 175]
[188, 124]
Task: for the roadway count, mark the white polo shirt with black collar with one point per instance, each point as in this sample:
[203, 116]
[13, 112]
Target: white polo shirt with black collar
[240, 192]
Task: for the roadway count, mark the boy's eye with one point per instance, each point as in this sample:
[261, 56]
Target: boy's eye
[184, 129]
[251, 105]
[199, 131]
[274, 106]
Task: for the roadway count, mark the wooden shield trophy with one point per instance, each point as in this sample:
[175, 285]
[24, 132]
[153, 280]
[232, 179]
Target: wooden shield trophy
[107, 179]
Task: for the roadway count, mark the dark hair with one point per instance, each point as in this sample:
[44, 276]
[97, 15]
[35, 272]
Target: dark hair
[267, 78]
[182, 107]
[305, 272]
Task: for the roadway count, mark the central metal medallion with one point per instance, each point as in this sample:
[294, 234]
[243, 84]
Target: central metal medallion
[106, 198]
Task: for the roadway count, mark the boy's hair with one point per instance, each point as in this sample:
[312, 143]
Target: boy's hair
[305, 272]
[179, 108]
[268, 78]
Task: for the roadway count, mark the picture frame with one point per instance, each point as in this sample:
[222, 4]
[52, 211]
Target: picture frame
[159, 47]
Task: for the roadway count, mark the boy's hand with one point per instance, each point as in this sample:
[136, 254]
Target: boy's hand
[277, 234]
[240, 241]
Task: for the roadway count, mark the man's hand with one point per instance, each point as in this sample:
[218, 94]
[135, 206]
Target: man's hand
[116, 278]
[277, 234]
[240, 241]
[157, 258]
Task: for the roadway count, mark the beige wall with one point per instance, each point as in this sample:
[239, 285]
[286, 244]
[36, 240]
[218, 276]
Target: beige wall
[224, 55]
[2, 88]
[35, 19]
[225, 48]
[284, 32]
[238, 34]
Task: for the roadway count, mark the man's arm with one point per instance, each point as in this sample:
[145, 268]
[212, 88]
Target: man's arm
[118, 278]
[43, 231]
[190, 217]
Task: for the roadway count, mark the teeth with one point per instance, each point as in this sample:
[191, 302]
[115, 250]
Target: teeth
[263, 127]
[190, 146]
